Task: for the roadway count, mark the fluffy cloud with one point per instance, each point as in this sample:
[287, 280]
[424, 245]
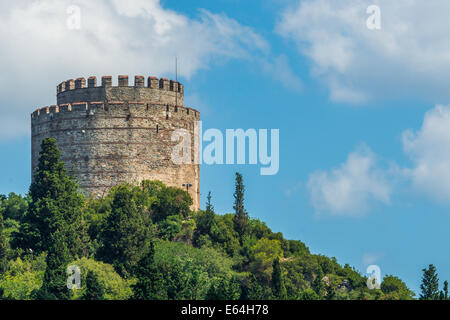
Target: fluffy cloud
[407, 57]
[360, 181]
[116, 37]
[350, 188]
[429, 149]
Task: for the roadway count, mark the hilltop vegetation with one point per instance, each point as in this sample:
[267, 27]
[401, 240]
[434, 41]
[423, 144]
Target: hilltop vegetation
[144, 242]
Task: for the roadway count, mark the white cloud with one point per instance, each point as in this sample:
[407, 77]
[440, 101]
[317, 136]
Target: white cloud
[369, 258]
[280, 70]
[407, 57]
[352, 187]
[429, 149]
[116, 37]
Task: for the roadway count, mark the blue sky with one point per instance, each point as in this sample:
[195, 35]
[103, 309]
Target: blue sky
[363, 117]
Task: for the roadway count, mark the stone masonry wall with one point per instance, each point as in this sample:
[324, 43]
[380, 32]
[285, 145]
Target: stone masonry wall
[110, 135]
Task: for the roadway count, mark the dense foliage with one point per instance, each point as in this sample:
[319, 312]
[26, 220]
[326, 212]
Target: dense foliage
[144, 242]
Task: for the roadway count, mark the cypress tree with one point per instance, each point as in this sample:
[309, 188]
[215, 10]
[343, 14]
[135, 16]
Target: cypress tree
[430, 284]
[207, 219]
[318, 285]
[55, 206]
[55, 276]
[3, 247]
[209, 206]
[241, 216]
[445, 290]
[278, 287]
[150, 283]
[94, 289]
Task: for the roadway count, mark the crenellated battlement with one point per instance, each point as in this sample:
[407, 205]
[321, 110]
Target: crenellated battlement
[188, 112]
[123, 81]
[152, 90]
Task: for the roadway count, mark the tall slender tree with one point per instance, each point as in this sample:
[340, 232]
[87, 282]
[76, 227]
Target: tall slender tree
[318, 284]
[445, 291]
[209, 206]
[241, 216]
[55, 276]
[207, 219]
[430, 284]
[3, 247]
[278, 287]
[55, 206]
[150, 282]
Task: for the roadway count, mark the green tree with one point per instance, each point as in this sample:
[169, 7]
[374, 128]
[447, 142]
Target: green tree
[150, 283]
[205, 224]
[430, 284]
[55, 206]
[394, 288]
[191, 281]
[183, 277]
[278, 287]
[445, 290]
[166, 201]
[94, 289]
[308, 294]
[179, 271]
[55, 276]
[223, 235]
[170, 227]
[318, 284]
[265, 251]
[206, 220]
[4, 246]
[14, 206]
[241, 216]
[258, 229]
[115, 287]
[254, 289]
[127, 231]
[23, 277]
[224, 289]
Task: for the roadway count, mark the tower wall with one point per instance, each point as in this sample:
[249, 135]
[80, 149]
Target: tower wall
[114, 134]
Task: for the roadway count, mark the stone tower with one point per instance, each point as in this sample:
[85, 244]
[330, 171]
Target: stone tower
[113, 134]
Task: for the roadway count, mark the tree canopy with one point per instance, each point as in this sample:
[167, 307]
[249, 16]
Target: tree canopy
[144, 242]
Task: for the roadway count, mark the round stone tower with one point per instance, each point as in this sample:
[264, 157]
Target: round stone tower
[113, 134]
